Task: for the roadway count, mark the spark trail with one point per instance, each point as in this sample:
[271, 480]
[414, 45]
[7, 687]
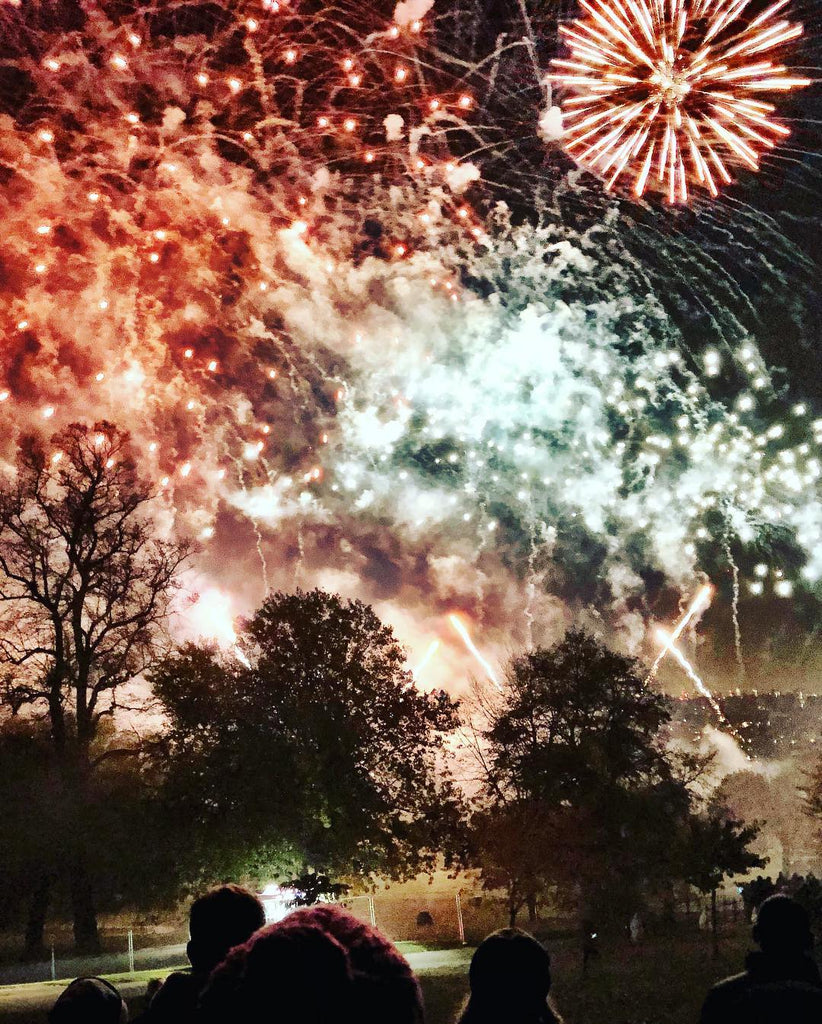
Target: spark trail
[670, 645]
[465, 636]
[740, 661]
[433, 647]
[285, 266]
[699, 603]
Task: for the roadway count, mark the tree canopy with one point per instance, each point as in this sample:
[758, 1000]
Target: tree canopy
[315, 751]
[574, 764]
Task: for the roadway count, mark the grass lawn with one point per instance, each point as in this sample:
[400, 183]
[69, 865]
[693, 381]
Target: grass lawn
[657, 983]
[660, 982]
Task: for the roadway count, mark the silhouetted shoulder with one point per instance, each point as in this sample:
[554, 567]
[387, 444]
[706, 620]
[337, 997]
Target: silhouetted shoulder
[743, 999]
[781, 983]
[176, 1000]
[723, 997]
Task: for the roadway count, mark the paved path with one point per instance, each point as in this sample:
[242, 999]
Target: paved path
[33, 1000]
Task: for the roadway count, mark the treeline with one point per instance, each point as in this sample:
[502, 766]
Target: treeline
[306, 754]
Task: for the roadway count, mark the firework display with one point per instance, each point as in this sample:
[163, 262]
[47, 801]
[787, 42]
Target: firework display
[671, 93]
[257, 235]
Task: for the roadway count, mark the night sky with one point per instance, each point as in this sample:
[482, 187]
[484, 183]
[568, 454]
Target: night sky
[373, 329]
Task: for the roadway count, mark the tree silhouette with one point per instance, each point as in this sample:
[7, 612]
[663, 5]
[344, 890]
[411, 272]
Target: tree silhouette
[715, 848]
[318, 754]
[574, 764]
[84, 593]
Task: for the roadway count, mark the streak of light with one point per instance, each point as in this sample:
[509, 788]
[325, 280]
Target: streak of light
[667, 640]
[459, 626]
[702, 600]
[433, 647]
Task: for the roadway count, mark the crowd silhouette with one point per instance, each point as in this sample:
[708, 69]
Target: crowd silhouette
[321, 965]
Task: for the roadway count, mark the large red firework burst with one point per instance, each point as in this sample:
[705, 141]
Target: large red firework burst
[667, 93]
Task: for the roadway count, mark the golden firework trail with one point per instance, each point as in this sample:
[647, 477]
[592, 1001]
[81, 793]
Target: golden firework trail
[667, 93]
[702, 600]
[433, 647]
[459, 626]
[667, 639]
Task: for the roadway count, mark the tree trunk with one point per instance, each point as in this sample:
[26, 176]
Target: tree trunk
[86, 936]
[714, 926]
[35, 947]
[532, 908]
[514, 905]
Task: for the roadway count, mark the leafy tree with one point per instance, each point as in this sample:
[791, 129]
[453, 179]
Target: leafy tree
[715, 848]
[84, 591]
[314, 753]
[573, 751]
[127, 858]
[776, 803]
[511, 842]
[312, 888]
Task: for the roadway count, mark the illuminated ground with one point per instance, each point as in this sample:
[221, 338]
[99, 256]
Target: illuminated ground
[663, 982]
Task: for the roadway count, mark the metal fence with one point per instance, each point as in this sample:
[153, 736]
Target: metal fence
[464, 917]
[125, 951]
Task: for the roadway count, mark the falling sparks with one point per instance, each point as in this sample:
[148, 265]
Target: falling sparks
[465, 636]
[666, 639]
[316, 334]
[667, 94]
[668, 643]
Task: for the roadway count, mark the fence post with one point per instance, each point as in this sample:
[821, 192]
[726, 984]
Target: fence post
[460, 922]
[53, 965]
[130, 951]
[372, 912]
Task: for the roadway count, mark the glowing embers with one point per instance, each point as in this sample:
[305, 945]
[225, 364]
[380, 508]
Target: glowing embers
[667, 93]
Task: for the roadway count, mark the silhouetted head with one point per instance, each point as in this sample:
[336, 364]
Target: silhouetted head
[510, 977]
[221, 919]
[317, 966]
[89, 1001]
[782, 927]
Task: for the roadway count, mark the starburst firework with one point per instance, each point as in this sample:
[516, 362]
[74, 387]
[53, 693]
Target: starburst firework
[668, 92]
[258, 238]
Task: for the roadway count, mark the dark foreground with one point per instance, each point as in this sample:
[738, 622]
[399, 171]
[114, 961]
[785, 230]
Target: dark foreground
[659, 982]
[654, 983]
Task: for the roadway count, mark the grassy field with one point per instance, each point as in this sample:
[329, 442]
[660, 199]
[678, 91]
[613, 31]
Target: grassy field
[656, 983]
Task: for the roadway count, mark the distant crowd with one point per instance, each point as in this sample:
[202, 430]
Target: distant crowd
[321, 965]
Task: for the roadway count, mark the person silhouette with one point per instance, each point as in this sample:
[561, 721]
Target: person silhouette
[319, 965]
[781, 982]
[510, 978]
[218, 920]
[89, 1001]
